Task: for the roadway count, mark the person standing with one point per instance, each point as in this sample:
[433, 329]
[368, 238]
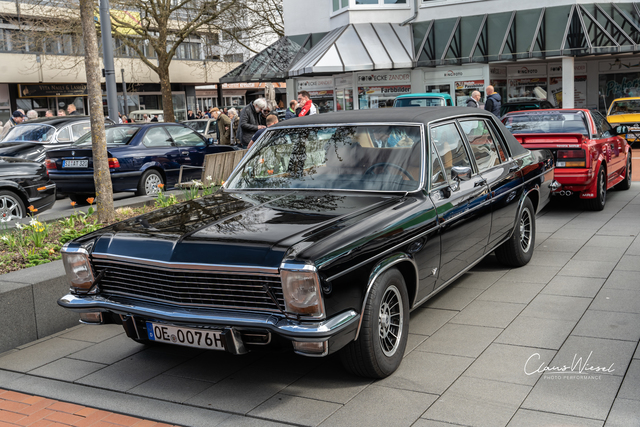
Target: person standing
[224, 129]
[32, 114]
[61, 113]
[493, 101]
[251, 120]
[306, 107]
[272, 119]
[474, 101]
[49, 113]
[16, 118]
[71, 110]
[291, 111]
[233, 116]
[190, 115]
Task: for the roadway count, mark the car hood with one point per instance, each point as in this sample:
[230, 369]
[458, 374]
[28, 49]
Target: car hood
[26, 150]
[233, 228]
[624, 118]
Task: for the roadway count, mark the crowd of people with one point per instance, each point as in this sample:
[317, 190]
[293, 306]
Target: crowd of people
[19, 116]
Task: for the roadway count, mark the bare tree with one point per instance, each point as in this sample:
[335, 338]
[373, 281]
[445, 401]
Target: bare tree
[253, 24]
[101, 175]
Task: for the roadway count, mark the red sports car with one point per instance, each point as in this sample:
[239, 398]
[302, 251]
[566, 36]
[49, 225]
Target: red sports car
[591, 156]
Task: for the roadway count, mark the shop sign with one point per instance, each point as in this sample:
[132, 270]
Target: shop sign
[43, 91]
[315, 84]
[497, 72]
[527, 70]
[384, 90]
[579, 69]
[470, 84]
[384, 78]
[620, 65]
[321, 93]
[344, 81]
[452, 73]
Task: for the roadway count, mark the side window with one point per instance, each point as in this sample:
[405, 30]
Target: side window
[437, 173]
[607, 130]
[156, 137]
[185, 137]
[482, 144]
[64, 135]
[450, 147]
[499, 141]
[80, 129]
[598, 119]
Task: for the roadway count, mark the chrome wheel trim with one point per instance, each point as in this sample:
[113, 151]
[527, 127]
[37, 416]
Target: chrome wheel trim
[629, 171]
[10, 209]
[525, 230]
[390, 321]
[602, 191]
[151, 184]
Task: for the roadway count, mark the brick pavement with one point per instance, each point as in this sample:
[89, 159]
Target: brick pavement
[18, 409]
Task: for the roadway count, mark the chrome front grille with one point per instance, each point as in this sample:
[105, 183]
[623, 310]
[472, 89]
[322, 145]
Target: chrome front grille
[189, 287]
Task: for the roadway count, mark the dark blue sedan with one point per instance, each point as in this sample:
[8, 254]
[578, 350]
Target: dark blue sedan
[141, 156]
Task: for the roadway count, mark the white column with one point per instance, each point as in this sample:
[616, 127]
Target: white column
[568, 93]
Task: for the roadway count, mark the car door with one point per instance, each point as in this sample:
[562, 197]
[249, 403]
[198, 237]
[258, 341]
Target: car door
[191, 151]
[159, 151]
[463, 205]
[615, 144]
[502, 175]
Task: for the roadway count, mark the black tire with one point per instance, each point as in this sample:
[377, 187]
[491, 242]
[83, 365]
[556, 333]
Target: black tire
[80, 199]
[625, 184]
[148, 184]
[517, 251]
[597, 203]
[11, 206]
[379, 349]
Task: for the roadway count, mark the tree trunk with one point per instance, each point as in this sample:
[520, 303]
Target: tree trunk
[101, 174]
[167, 99]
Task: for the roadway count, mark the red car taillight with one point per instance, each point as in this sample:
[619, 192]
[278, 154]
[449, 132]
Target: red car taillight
[571, 159]
[113, 163]
[50, 164]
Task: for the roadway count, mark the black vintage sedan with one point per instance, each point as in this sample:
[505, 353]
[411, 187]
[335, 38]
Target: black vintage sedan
[327, 234]
[24, 183]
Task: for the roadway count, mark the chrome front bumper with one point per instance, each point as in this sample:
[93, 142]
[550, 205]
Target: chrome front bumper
[340, 324]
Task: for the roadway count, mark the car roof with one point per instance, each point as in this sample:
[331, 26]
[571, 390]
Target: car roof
[424, 95]
[564, 110]
[57, 121]
[532, 101]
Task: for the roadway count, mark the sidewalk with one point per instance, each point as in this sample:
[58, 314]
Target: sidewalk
[476, 355]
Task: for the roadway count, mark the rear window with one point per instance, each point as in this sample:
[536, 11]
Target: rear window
[420, 102]
[546, 122]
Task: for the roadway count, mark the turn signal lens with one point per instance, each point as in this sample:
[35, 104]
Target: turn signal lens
[571, 159]
[301, 291]
[50, 164]
[113, 163]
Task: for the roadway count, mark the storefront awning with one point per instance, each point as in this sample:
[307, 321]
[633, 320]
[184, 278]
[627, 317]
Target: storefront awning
[359, 47]
[272, 64]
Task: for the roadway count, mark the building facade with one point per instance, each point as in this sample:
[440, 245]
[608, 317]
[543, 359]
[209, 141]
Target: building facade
[574, 53]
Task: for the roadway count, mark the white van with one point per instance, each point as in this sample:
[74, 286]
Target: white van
[138, 115]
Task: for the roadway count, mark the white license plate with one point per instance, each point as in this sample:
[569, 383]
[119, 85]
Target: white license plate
[190, 337]
[75, 163]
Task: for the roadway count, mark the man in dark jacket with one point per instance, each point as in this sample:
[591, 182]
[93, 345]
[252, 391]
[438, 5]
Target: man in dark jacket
[474, 101]
[493, 101]
[291, 111]
[251, 120]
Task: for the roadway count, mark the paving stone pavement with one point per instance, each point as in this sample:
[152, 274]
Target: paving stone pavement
[485, 352]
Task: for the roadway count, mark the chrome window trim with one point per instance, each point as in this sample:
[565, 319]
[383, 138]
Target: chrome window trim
[421, 184]
[249, 270]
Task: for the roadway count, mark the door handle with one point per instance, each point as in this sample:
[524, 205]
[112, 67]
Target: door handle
[479, 183]
[514, 168]
[185, 153]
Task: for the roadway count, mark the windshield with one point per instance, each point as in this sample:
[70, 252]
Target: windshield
[546, 122]
[374, 158]
[420, 102]
[117, 135]
[198, 126]
[631, 106]
[31, 132]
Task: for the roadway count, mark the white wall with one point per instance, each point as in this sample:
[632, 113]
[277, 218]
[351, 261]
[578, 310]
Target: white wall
[306, 16]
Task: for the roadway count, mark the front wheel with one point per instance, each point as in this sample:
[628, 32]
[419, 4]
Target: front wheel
[517, 251]
[11, 206]
[150, 183]
[626, 183]
[597, 203]
[379, 349]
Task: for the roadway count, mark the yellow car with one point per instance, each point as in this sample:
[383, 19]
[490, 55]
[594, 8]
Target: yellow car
[626, 111]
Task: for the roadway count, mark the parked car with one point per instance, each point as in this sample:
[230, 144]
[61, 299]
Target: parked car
[626, 112]
[591, 156]
[138, 115]
[205, 127]
[517, 104]
[30, 140]
[140, 158]
[320, 240]
[423, 100]
[24, 183]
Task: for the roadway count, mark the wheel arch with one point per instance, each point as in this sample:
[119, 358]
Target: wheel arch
[15, 188]
[409, 270]
[156, 167]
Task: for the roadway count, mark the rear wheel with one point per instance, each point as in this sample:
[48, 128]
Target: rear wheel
[626, 183]
[379, 349]
[597, 203]
[149, 184]
[517, 251]
[11, 206]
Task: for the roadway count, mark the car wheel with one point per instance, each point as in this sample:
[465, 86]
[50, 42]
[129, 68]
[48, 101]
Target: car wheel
[517, 251]
[626, 183]
[148, 185]
[80, 199]
[11, 206]
[379, 349]
[597, 204]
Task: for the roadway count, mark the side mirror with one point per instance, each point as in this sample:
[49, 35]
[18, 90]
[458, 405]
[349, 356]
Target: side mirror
[461, 173]
[210, 141]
